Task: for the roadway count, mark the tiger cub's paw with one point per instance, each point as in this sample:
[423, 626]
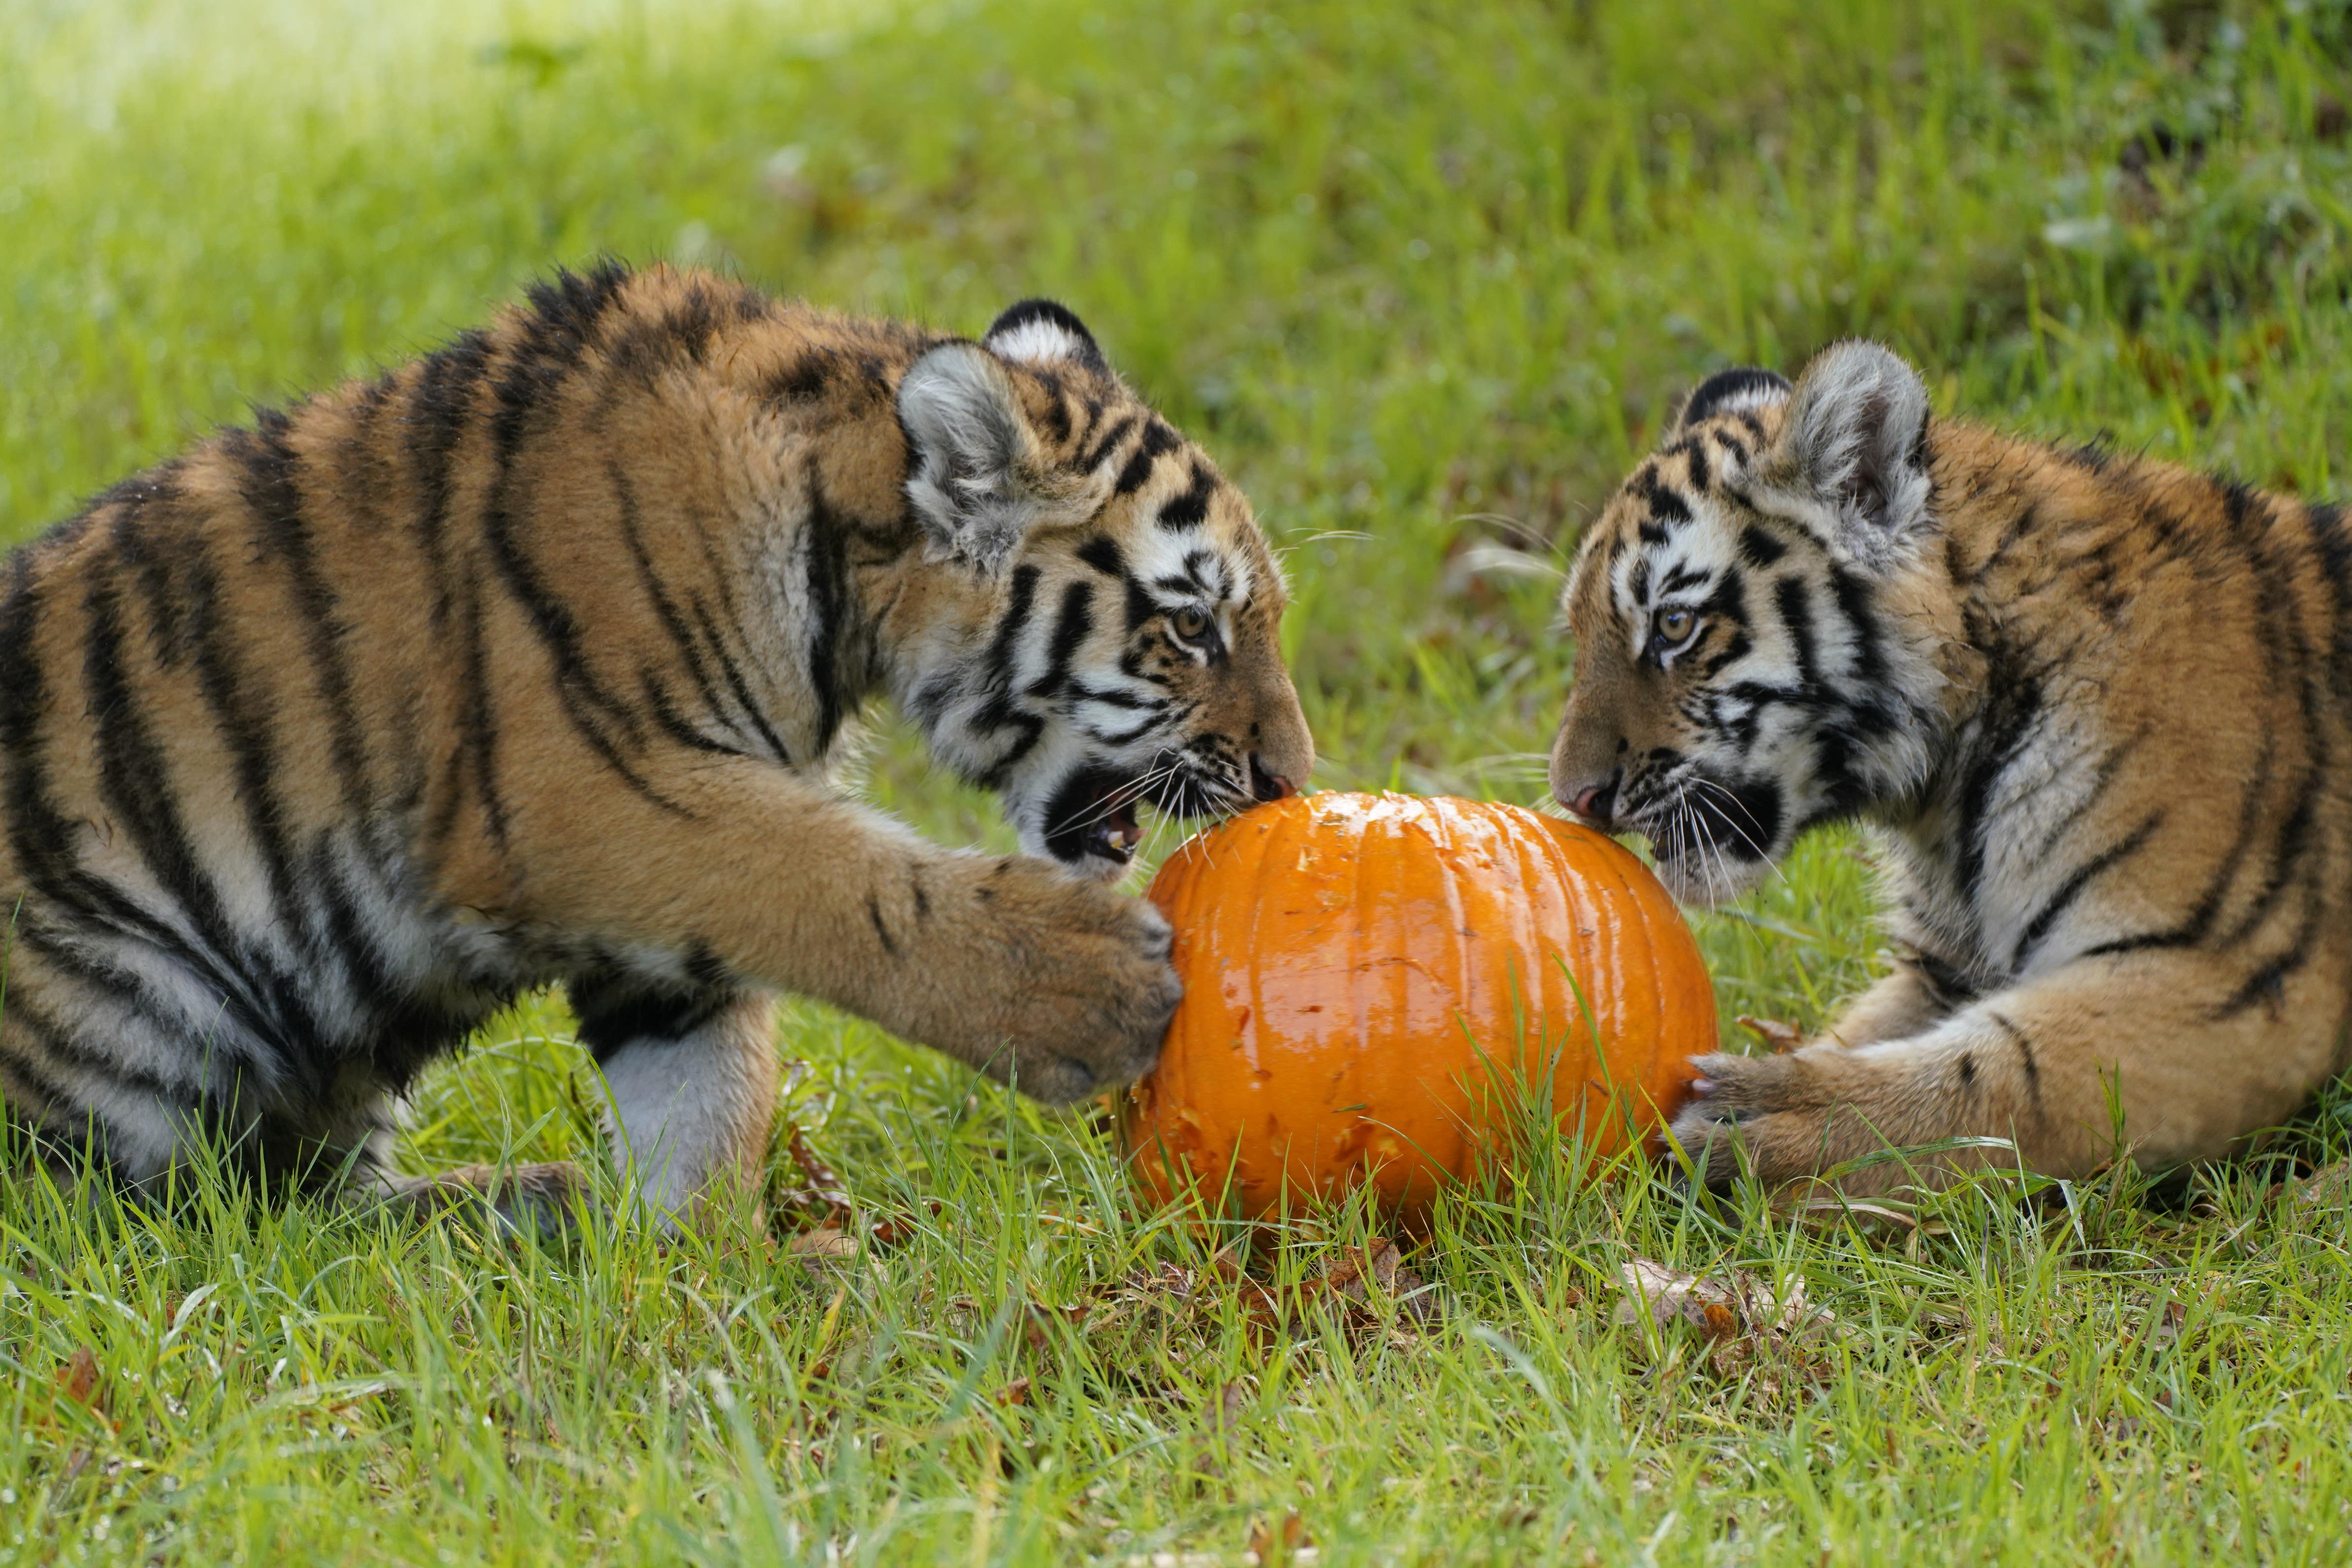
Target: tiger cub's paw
[1768, 1106]
[1071, 990]
[544, 1199]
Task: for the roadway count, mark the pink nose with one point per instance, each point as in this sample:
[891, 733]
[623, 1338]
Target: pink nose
[1595, 801]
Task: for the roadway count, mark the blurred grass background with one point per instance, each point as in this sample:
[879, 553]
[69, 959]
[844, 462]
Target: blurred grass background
[1425, 278]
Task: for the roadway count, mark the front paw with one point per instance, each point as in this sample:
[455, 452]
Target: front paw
[1081, 989]
[1762, 1105]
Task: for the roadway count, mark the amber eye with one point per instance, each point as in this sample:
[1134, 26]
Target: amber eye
[1191, 623]
[1673, 628]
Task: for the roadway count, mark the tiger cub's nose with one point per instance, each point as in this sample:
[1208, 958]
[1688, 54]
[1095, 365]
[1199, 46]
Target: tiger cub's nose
[1595, 803]
[1267, 786]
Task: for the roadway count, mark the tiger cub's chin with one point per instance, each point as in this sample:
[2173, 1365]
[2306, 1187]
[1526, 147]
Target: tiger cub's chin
[2093, 709]
[529, 662]
[1706, 883]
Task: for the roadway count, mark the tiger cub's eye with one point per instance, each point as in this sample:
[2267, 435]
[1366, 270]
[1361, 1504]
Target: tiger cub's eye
[1190, 623]
[1674, 627]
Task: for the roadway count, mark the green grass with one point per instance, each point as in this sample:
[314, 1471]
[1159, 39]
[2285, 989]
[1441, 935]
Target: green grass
[1425, 276]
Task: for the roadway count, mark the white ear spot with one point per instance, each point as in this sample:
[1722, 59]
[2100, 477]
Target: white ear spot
[1856, 438]
[1734, 391]
[1035, 341]
[1040, 331]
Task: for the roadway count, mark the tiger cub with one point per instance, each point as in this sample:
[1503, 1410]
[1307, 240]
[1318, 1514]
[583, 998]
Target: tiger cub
[2097, 713]
[526, 664]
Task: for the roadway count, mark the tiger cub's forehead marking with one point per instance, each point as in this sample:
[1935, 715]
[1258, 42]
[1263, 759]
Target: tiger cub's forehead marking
[1189, 538]
[1673, 531]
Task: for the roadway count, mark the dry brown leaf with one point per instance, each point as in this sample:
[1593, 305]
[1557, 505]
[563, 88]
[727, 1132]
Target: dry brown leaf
[1740, 1316]
[2329, 1186]
[1014, 1392]
[78, 1378]
[1776, 1035]
[821, 1200]
[824, 1241]
[1275, 1541]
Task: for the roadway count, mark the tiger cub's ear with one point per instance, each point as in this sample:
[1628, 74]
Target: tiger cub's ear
[1041, 331]
[977, 477]
[1855, 443]
[1730, 392]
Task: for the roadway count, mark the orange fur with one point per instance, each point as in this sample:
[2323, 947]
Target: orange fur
[2095, 710]
[529, 661]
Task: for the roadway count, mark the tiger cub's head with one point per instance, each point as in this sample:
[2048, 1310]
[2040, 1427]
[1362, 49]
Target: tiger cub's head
[1111, 634]
[1755, 653]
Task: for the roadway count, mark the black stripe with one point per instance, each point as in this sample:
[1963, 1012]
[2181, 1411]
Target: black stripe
[826, 565]
[62, 1048]
[2025, 1053]
[552, 341]
[1095, 455]
[1057, 412]
[2103, 777]
[479, 729]
[672, 722]
[441, 409]
[873, 913]
[136, 784]
[736, 684]
[129, 536]
[243, 714]
[1102, 553]
[673, 622]
[272, 489]
[693, 322]
[1947, 983]
[2037, 929]
[1853, 602]
[617, 1010]
[1157, 439]
[1741, 382]
[1665, 505]
[1190, 509]
[1759, 549]
[804, 380]
[1071, 628]
[1795, 603]
[2266, 984]
[999, 713]
[2013, 712]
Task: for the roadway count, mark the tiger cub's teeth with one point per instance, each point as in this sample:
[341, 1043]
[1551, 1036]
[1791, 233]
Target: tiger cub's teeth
[1116, 837]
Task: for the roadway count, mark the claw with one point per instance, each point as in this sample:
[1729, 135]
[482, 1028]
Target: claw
[1701, 1088]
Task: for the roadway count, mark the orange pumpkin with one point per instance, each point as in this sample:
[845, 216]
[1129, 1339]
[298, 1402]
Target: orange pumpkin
[1359, 968]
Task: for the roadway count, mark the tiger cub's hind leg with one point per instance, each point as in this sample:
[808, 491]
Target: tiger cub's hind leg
[544, 1197]
[691, 1079]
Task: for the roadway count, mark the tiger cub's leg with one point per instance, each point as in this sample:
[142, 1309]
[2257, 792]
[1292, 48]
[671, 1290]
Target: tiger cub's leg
[2157, 1053]
[691, 1077]
[1904, 1002]
[1008, 963]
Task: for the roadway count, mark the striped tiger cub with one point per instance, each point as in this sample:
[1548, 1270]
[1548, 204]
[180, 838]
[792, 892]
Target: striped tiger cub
[526, 664]
[2096, 712]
